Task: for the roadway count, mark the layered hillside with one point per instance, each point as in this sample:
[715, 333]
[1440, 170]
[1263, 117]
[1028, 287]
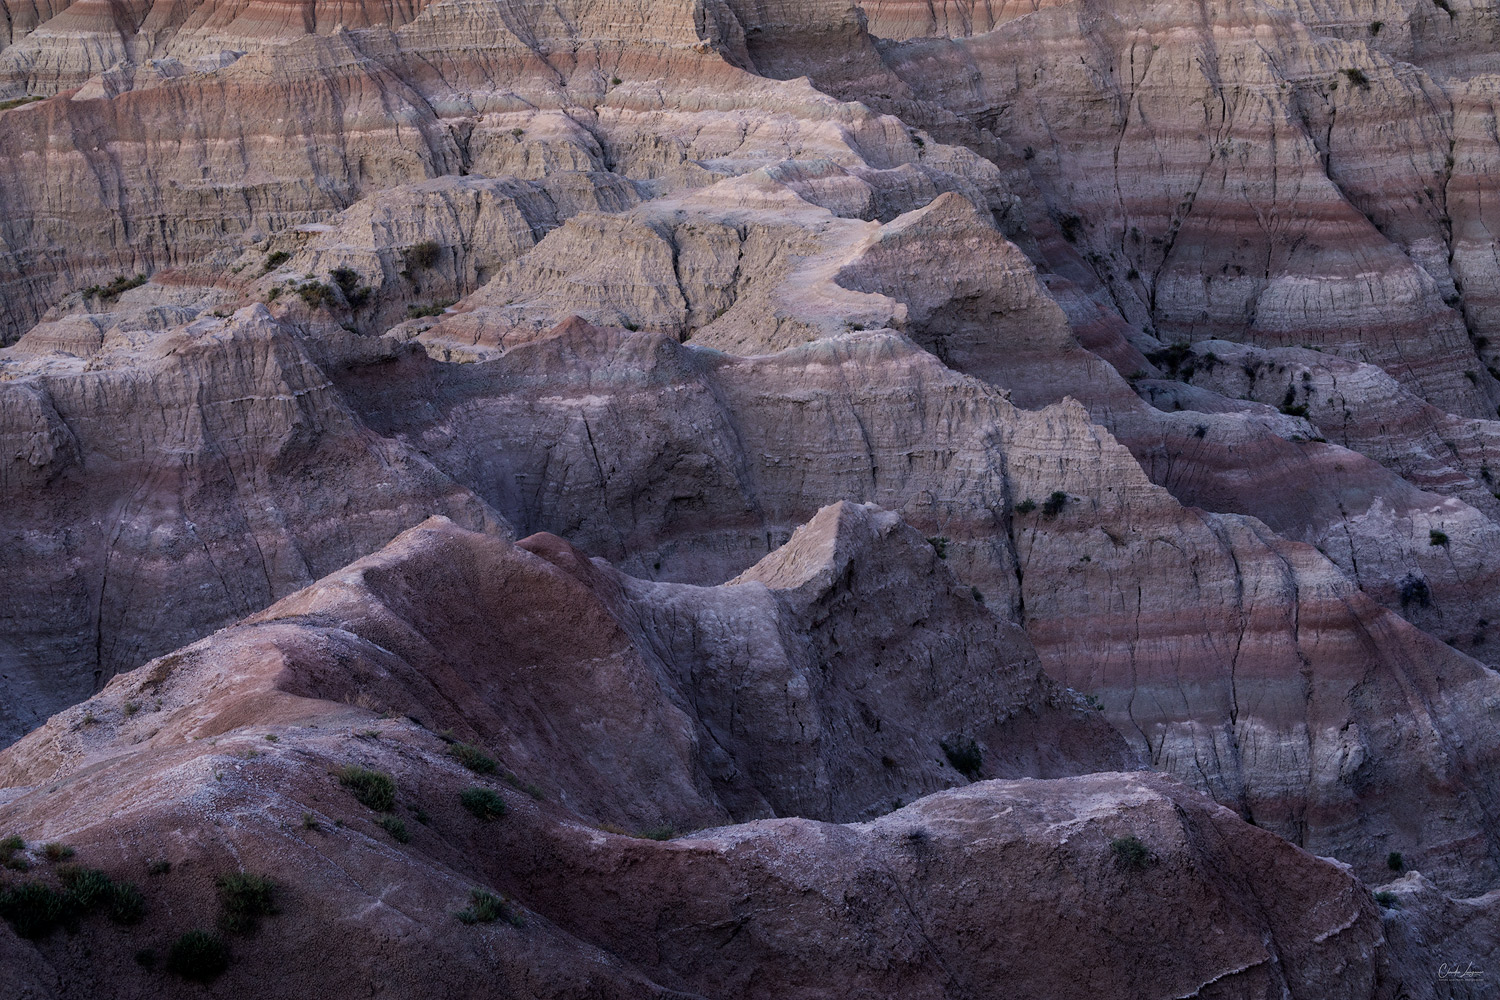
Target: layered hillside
[1070, 387]
[615, 705]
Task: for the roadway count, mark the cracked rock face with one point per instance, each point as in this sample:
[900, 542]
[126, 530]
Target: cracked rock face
[884, 396]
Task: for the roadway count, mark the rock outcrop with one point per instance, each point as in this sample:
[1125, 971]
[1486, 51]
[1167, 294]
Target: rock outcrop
[158, 485]
[227, 763]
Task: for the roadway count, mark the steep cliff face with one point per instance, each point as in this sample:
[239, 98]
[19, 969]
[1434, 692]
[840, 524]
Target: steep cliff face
[172, 483]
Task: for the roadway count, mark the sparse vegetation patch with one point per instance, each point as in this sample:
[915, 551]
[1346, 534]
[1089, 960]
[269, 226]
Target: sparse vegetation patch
[1131, 854]
[472, 757]
[422, 255]
[243, 899]
[34, 909]
[486, 908]
[198, 956]
[116, 288]
[374, 789]
[482, 803]
[965, 756]
[396, 827]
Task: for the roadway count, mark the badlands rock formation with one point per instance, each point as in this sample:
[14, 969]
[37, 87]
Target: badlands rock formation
[884, 396]
[626, 704]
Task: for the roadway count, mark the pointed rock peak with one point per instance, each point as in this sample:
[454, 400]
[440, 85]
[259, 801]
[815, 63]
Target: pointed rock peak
[574, 326]
[819, 552]
[945, 212]
[562, 554]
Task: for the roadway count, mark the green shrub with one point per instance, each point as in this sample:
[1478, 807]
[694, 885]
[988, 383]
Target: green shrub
[1358, 78]
[424, 254]
[1435, 537]
[116, 288]
[965, 756]
[375, 789]
[160, 866]
[472, 757]
[1026, 506]
[126, 904]
[529, 787]
[92, 891]
[1054, 504]
[33, 910]
[317, 295]
[275, 259]
[1388, 900]
[244, 899]
[663, 832]
[1072, 227]
[1131, 854]
[396, 827]
[12, 844]
[432, 309]
[1414, 590]
[57, 852]
[198, 956]
[939, 545]
[347, 280]
[482, 802]
[486, 908]
[1173, 359]
[18, 102]
[1395, 862]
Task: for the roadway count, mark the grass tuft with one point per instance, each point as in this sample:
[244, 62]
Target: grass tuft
[396, 827]
[57, 852]
[374, 789]
[244, 899]
[486, 908]
[198, 956]
[1131, 853]
[472, 757]
[482, 803]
